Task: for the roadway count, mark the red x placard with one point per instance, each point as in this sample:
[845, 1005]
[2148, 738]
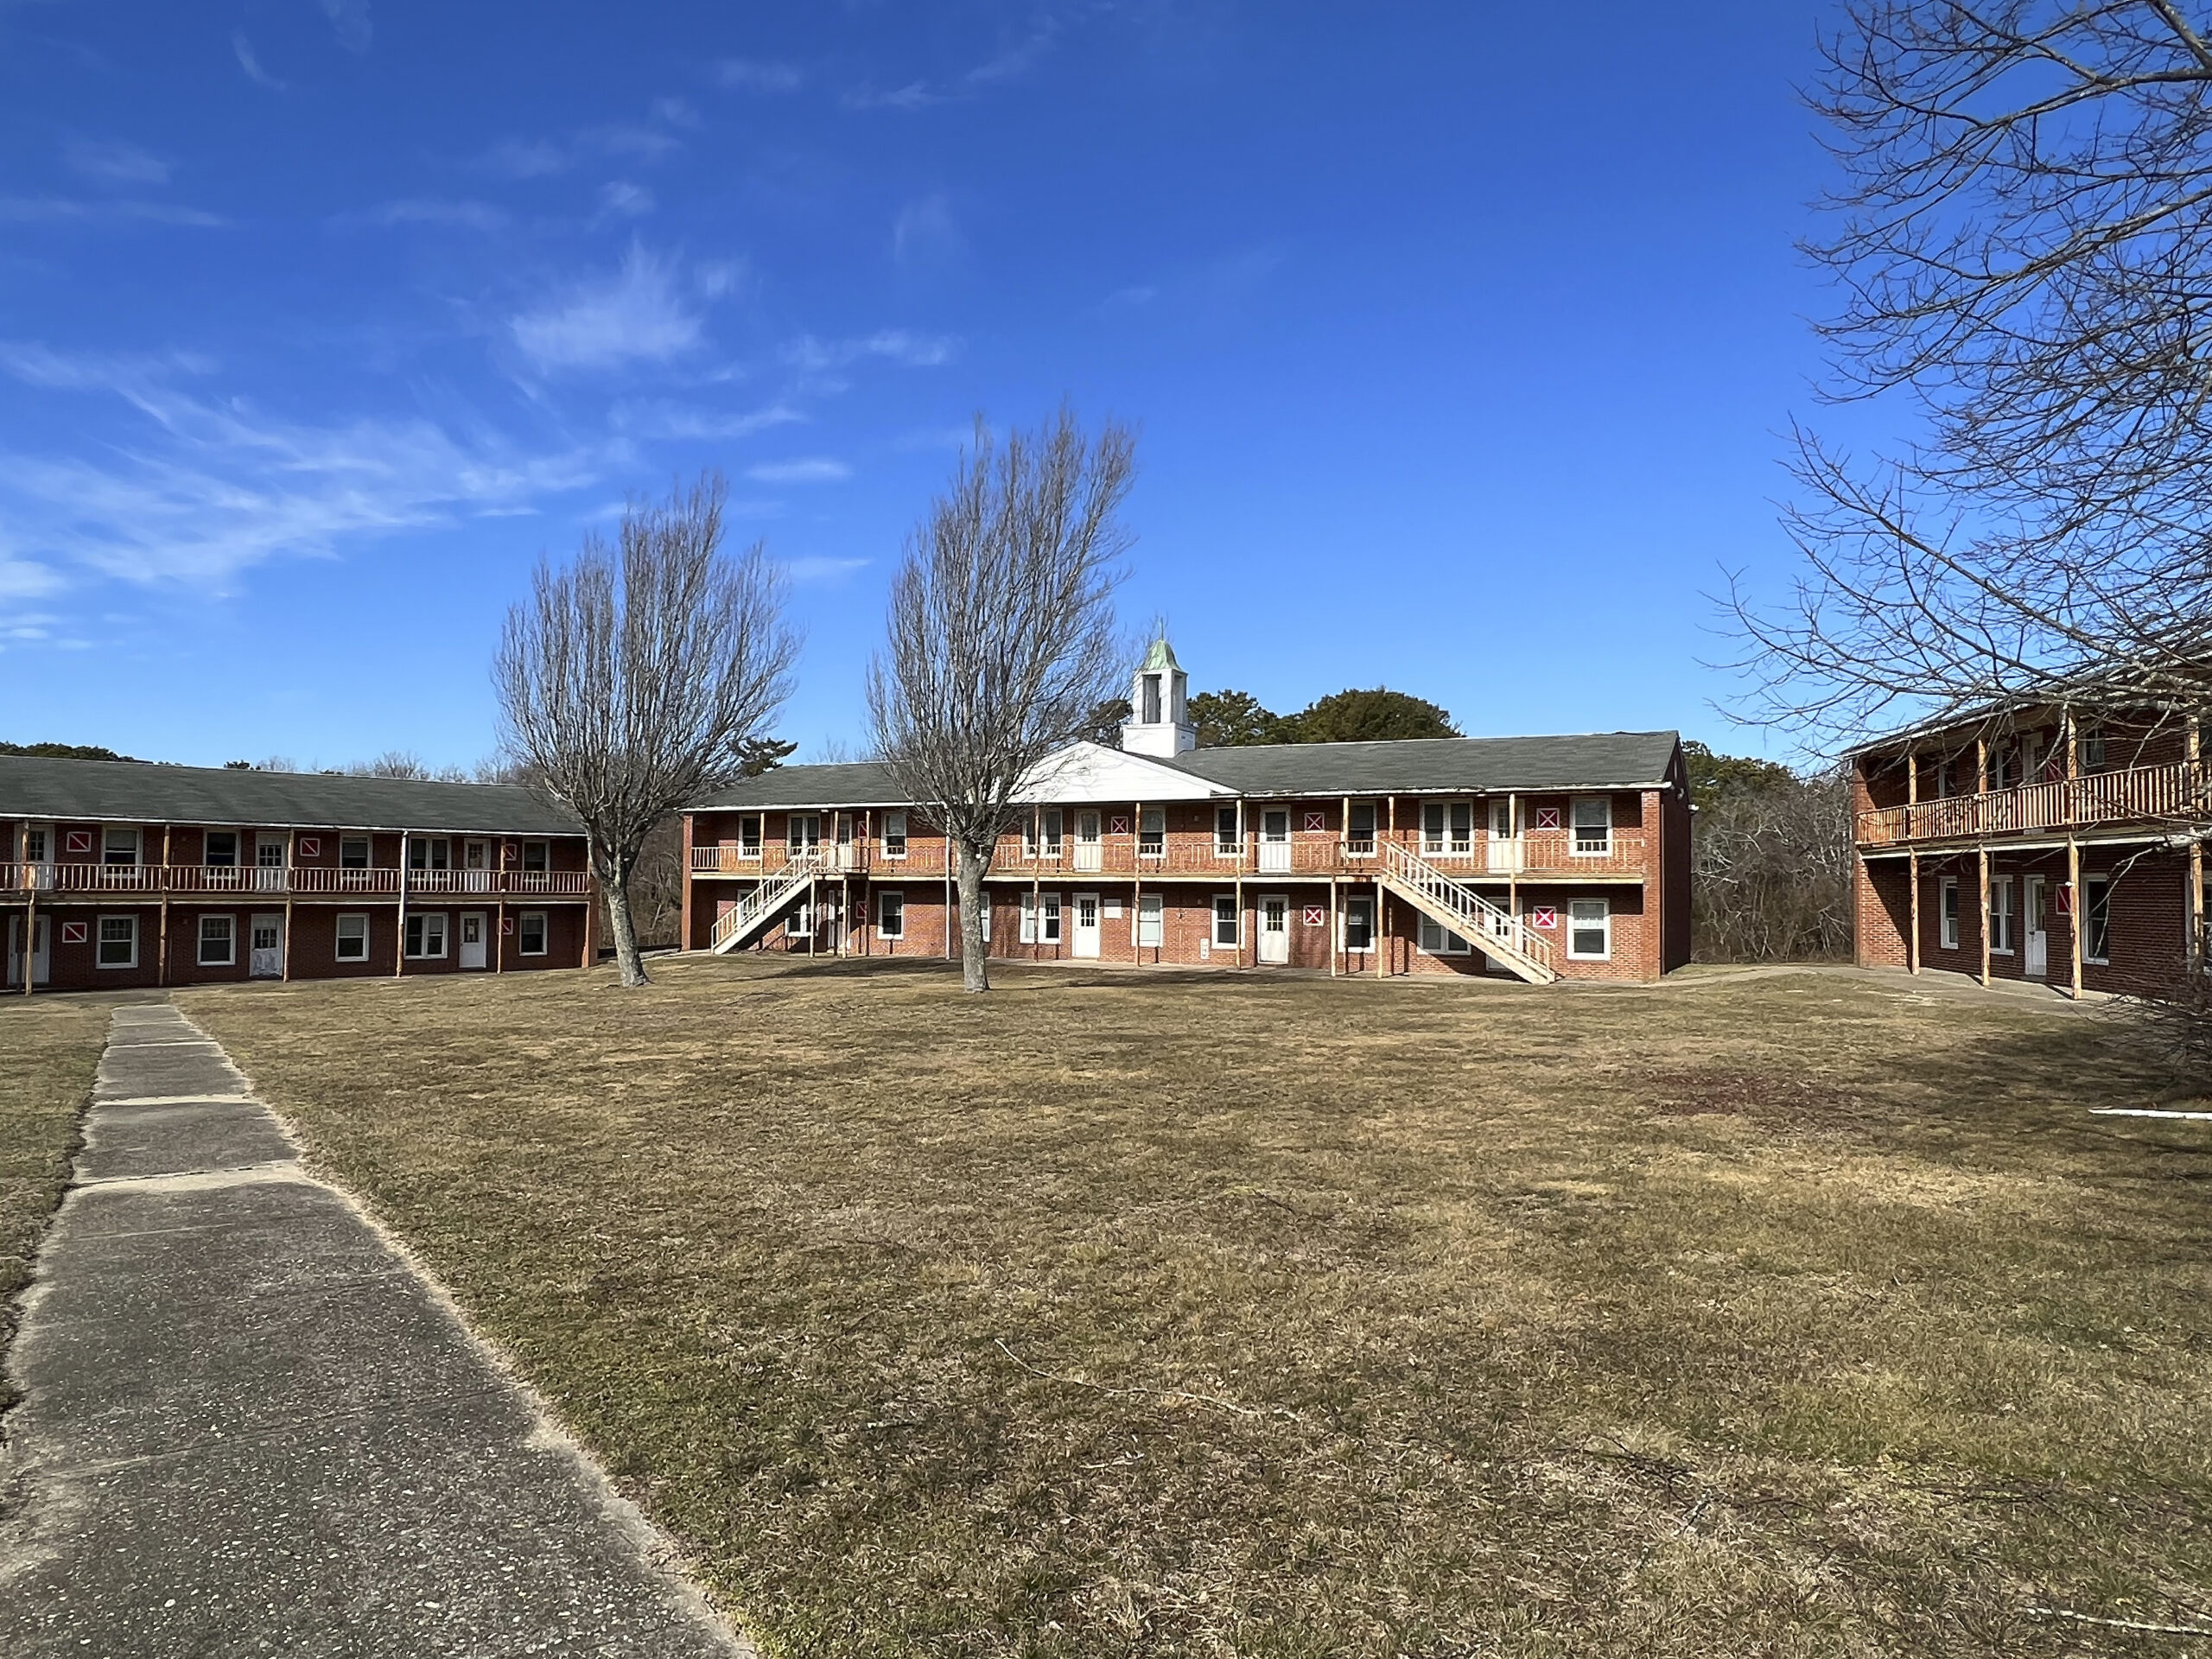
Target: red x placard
[310, 846]
[1117, 826]
[1314, 915]
[72, 933]
[1542, 916]
[1317, 820]
[78, 841]
[1548, 817]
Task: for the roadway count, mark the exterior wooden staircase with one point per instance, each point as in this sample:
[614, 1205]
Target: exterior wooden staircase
[761, 906]
[1502, 937]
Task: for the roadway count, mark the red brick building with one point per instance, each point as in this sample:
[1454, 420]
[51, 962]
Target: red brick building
[1536, 857]
[116, 873]
[2034, 846]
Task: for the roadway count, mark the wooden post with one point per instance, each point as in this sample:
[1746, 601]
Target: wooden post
[1982, 858]
[291, 863]
[683, 927]
[399, 943]
[1136, 879]
[2193, 742]
[1332, 927]
[1382, 930]
[1241, 835]
[499, 939]
[1513, 857]
[161, 966]
[2076, 910]
[1912, 860]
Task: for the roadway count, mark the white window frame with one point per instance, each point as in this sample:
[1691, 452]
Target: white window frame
[1233, 918]
[888, 899]
[794, 843]
[268, 841]
[522, 933]
[1437, 940]
[2004, 907]
[110, 834]
[1152, 828]
[542, 851]
[1365, 905]
[1352, 848]
[1575, 849]
[366, 843]
[425, 853]
[1605, 922]
[1445, 840]
[1046, 833]
[230, 956]
[2101, 886]
[1151, 921]
[749, 844]
[1043, 921]
[208, 839]
[1948, 913]
[894, 835]
[339, 940]
[1234, 818]
[801, 925]
[982, 914]
[100, 941]
[2089, 750]
[421, 920]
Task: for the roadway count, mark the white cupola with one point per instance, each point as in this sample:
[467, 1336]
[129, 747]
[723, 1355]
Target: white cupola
[1158, 717]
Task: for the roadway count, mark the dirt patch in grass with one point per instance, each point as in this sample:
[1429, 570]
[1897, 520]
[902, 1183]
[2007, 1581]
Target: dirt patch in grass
[1152, 1313]
[49, 1048]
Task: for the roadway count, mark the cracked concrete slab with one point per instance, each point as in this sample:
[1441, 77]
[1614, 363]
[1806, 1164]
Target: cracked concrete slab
[250, 1424]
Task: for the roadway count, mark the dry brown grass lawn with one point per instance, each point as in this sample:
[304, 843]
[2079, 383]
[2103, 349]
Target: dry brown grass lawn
[1120, 1313]
[49, 1048]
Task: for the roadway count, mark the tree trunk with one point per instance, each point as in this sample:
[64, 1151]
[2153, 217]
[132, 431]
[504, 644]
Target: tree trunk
[625, 931]
[974, 973]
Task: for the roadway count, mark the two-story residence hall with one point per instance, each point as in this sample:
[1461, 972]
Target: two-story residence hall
[1538, 857]
[2030, 843]
[119, 873]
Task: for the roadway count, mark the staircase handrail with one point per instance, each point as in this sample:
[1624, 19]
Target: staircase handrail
[767, 899]
[1481, 919]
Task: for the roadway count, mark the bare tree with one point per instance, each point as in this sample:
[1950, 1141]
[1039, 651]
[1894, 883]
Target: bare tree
[2023, 242]
[1002, 643]
[638, 680]
[1773, 869]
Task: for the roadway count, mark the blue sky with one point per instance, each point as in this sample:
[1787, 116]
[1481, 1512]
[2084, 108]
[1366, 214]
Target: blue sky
[1459, 337]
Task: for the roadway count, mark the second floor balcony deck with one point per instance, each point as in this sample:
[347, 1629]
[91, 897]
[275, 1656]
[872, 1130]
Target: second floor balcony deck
[284, 882]
[2146, 796]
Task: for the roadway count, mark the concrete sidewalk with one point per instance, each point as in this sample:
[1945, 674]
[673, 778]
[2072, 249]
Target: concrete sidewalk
[251, 1427]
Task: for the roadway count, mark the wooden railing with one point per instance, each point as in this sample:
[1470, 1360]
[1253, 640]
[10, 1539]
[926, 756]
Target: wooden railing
[1556, 855]
[1467, 913]
[2137, 795]
[279, 881]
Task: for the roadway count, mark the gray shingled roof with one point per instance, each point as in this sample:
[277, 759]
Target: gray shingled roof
[857, 782]
[123, 791]
[1481, 765]
[1477, 765]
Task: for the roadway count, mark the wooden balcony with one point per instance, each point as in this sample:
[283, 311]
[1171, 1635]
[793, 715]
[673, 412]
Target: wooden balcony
[2140, 795]
[1545, 856]
[252, 881]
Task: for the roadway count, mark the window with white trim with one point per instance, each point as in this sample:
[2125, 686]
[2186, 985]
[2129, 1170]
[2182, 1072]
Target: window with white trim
[1225, 918]
[118, 943]
[801, 925]
[1152, 832]
[1593, 825]
[1948, 913]
[894, 835]
[118, 846]
[1228, 832]
[2089, 750]
[1041, 918]
[537, 857]
[891, 914]
[802, 833]
[353, 853]
[352, 943]
[1437, 940]
[1589, 930]
[217, 941]
[530, 933]
[430, 853]
[748, 836]
[426, 934]
[1447, 829]
[218, 850]
[2004, 916]
[1359, 923]
[1041, 834]
[2096, 919]
[1359, 830]
[1151, 920]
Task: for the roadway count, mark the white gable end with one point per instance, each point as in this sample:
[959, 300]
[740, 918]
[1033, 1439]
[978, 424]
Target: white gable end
[1091, 772]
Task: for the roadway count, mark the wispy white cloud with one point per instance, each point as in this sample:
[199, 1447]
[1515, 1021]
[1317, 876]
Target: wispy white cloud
[924, 232]
[807, 469]
[208, 487]
[640, 312]
[914, 95]
[647, 141]
[619, 199]
[112, 160]
[349, 21]
[32, 210]
[469, 215]
[662, 419]
[511, 158]
[749, 75]
[820, 569]
[676, 112]
[1010, 62]
[895, 344]
[251, 64]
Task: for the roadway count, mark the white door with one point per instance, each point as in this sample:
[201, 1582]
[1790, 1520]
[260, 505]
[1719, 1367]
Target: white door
[1504, 844]
[2038, 956]
[1275, 928]
[265, 947]
[38, 856]
[270, 855]
[471, 938]
[476, 867]
[41, 951]
[1086, 925]
[1275, 840]
[1088, 854]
